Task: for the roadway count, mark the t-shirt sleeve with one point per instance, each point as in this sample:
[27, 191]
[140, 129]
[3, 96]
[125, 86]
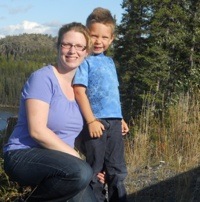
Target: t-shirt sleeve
[38, 86]
[81, 76]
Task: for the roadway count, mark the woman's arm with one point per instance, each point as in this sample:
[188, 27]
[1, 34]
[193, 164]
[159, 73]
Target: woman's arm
[37, 115]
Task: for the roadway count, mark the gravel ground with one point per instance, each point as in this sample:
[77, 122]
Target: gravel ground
[161, 184]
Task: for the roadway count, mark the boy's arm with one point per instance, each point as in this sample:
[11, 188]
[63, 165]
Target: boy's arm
[95, 127]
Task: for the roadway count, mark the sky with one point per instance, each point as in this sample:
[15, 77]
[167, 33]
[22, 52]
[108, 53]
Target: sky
[47, 16]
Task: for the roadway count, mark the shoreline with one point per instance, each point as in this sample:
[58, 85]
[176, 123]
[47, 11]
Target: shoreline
[6, 112]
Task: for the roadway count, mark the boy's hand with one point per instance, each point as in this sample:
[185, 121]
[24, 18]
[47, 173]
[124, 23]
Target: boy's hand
[125, 128]
[96, 129]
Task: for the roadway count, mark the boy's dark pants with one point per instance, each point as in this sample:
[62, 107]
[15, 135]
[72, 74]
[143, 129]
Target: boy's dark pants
[107, 154]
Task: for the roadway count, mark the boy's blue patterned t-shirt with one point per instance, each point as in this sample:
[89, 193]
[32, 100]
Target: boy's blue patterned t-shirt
[98, 74]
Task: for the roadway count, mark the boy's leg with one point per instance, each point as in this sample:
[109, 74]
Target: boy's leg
[95, 152]
[115, 162]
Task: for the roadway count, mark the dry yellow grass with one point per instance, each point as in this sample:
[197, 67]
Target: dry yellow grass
[173, 139]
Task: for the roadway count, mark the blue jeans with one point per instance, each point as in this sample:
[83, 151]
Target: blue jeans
[106, 154]
[59, 177]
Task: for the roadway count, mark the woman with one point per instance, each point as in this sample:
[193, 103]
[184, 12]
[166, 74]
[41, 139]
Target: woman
[40, 151]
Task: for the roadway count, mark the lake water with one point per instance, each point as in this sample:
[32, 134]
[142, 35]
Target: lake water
[4, 114]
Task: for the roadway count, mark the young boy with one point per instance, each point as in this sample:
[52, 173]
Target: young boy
[96, 90]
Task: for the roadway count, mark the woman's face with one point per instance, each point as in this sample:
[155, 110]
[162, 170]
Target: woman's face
[72, 50]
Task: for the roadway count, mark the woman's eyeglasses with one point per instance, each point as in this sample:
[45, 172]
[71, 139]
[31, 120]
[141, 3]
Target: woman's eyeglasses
[68, 46]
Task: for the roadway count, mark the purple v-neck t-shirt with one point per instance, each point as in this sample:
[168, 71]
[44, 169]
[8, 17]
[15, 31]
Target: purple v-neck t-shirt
[64, 117]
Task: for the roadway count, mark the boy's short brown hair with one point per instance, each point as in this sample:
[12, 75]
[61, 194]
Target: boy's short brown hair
[101, 15]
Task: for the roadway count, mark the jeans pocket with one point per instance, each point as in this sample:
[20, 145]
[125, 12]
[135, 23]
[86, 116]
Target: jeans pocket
[105, 123]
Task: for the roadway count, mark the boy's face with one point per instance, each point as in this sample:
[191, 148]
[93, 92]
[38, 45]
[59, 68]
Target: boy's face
[101, 36]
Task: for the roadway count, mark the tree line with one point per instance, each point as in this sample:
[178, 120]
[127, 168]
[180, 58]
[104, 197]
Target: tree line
[156, 50]
[19, 57]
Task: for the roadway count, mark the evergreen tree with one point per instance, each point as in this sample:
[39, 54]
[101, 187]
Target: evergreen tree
[157, 51]
[129, 47]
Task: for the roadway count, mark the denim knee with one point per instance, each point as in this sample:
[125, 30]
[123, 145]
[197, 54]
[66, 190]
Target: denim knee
[84, 175]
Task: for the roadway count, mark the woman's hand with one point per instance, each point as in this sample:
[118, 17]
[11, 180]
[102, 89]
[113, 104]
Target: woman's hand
[102, 177]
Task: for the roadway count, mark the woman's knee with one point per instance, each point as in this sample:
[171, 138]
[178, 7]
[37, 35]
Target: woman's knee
[84, 175]
[79, 173]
